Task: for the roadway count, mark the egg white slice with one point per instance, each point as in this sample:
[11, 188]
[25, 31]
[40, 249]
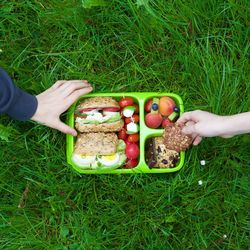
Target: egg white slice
[110, 114]
[84, 160]
[109, 160]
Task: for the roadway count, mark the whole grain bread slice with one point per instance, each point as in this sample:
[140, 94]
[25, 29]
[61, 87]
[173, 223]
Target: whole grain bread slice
[98, 102]
[96, 144]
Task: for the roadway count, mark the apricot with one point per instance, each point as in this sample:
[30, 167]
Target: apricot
[166, 105]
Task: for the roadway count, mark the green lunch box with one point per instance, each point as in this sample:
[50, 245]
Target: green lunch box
[145, 133]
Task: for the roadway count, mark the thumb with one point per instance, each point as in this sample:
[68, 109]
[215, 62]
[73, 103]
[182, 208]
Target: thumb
[189, 129]
[59, 125]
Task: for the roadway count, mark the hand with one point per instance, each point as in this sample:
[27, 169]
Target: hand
[56, 100]
[201, 124]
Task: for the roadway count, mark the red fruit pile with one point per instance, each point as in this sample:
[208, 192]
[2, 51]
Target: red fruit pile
[160, 112]
[129, 134]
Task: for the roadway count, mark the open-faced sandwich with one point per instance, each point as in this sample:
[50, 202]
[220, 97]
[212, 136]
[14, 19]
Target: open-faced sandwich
[98, 114]
[100, 151]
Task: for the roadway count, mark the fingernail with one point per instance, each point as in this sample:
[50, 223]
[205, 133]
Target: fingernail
[88, 86]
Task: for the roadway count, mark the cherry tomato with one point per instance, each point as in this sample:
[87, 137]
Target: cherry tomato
[136, 108]
[127, 142]
[134, 118]
[148, 105]
[133, 138]
[122, 134]
[132, 151]
[112, 109]
[126, 101]
[131, 163]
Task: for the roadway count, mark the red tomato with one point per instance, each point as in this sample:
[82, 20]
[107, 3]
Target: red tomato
[122, 134]
[112, 109]
[87, 110]
[131, 163]
[126, 101]
[148, 105]
[134, 118]
[133, 138]
[136, 108]
[128, 143]
[132, 151]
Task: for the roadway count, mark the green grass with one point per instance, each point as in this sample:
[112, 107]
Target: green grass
[197, 49]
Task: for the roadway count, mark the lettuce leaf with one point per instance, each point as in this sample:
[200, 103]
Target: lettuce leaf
[114, 118]
[121, 146]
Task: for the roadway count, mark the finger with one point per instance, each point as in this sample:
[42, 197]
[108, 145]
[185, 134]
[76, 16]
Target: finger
[70, 86]
[184, 118]
[197, 140]
[57, 84]
[190, 129]
[189, 123]
[77, 94]
[52, 88]
[188, 116]
[64, 128]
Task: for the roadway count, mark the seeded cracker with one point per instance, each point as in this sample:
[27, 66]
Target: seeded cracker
[174, 139]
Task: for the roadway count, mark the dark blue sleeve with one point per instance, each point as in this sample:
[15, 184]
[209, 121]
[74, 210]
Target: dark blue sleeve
[14, 101]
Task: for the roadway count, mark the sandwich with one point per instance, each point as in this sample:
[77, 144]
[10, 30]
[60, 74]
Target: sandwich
[100, 151]
[98, 114]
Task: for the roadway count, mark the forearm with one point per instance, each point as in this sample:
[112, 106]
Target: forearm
[235, 124]
[15, 102]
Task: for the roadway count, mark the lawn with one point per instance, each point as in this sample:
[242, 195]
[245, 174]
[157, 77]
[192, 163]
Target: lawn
[196, 49]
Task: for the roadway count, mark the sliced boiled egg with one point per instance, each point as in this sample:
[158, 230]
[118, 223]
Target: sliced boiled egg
[109, 160]
[83, 160]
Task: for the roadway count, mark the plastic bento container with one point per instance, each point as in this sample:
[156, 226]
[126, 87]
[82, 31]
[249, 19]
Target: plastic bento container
[145, 134]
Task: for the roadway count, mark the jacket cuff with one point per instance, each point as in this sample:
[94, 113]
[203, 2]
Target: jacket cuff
[23, 107]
